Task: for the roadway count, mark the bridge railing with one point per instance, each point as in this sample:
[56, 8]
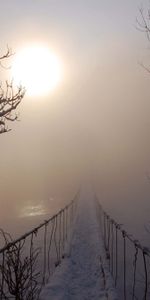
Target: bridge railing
[27, 263]
[128, 260]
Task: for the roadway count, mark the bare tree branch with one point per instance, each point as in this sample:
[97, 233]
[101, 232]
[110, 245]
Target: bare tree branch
[143, 22]
[9, 98]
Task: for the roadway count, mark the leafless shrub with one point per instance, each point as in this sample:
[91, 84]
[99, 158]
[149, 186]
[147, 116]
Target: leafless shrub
[19, 276]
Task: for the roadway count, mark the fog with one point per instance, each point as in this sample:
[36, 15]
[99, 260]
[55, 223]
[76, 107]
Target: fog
[96, 122]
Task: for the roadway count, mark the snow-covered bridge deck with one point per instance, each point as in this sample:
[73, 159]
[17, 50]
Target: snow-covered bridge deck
[83, 274]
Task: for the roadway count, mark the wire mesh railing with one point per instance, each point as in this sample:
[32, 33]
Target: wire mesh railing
[27, 263]
[128, 260]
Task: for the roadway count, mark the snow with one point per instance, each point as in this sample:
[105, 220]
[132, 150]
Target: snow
[83, 274]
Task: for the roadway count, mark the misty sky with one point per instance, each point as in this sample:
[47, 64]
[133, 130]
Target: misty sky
[98, 119]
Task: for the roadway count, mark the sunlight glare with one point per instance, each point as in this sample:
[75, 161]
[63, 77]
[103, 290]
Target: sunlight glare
[37, 69]
[32, 210]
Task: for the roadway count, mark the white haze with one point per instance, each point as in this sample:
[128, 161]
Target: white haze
[97, 122]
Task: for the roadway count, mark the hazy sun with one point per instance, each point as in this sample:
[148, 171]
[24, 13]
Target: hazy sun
[37, 69]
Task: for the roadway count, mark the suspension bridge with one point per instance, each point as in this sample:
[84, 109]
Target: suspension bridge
[79, 253]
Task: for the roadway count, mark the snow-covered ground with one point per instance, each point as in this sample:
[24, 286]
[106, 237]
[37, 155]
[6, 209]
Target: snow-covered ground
[83, 274]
